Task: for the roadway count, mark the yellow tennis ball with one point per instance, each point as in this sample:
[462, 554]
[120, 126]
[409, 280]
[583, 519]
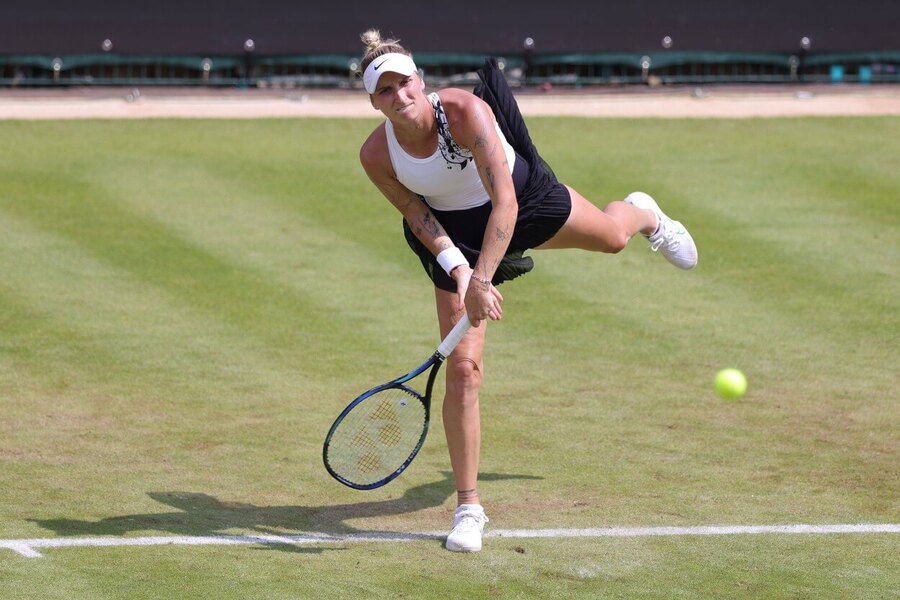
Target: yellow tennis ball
[731, 383]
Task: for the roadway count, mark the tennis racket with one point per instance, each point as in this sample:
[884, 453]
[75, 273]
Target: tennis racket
[379, 434]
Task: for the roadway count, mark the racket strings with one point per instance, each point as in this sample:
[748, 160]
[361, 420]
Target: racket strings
[377, 436]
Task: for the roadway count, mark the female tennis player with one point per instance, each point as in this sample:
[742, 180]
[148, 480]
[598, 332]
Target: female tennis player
[474, 195]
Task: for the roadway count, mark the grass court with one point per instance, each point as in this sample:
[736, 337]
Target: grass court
[185, 306]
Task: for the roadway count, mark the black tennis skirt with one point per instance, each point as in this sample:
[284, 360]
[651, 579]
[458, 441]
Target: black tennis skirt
[542, 212]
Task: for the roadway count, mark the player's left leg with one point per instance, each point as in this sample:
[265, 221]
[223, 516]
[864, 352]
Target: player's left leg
[670, 238]
[608, 230]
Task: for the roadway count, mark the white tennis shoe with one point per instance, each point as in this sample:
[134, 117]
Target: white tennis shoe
[468, 525]
[671, 238]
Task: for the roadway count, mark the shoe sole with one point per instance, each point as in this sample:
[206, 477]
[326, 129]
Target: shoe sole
[461, 548]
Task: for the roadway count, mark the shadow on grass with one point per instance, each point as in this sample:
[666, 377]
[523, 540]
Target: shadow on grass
[199, 514]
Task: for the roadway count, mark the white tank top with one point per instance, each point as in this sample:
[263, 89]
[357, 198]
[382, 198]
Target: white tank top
[448, 179]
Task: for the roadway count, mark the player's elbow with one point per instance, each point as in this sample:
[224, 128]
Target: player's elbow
[509, 206]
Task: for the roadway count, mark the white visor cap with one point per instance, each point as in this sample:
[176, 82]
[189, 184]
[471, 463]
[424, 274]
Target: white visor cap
[393, 62]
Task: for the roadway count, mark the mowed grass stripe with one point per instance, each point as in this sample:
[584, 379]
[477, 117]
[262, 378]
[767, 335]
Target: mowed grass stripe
[72, 312]
[151, 252]
[231, 218]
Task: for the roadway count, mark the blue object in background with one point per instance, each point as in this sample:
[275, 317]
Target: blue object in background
[865, 74]
[837, 73]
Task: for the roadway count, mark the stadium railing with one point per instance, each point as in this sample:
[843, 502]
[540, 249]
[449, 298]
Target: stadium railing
[340, 70]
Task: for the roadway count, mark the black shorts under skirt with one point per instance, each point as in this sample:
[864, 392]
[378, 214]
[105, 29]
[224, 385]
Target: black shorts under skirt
[540, 216]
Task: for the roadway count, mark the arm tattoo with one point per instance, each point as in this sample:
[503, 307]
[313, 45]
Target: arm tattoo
[489, 175]
[481, 136]
[429, 225]
[481, 139]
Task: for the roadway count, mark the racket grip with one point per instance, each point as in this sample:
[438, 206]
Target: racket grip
[455, 336]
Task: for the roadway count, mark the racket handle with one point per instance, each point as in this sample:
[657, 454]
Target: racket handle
[455, 336]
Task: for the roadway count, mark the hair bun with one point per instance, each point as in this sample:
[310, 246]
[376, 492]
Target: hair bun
[372, 39]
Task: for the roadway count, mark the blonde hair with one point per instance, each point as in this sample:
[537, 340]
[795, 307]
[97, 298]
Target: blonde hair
[375, 47]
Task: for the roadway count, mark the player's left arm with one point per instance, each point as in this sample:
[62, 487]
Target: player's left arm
[474, 126]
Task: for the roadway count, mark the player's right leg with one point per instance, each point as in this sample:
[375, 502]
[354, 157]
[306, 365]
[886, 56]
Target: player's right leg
[462, 423]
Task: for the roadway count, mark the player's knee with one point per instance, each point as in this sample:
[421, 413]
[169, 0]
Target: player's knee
[616, 241]
[464, 374]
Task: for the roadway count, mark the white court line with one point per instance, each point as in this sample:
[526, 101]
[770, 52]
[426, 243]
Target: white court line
[29, 548]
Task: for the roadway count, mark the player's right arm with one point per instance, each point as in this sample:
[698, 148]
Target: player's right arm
[377, 163]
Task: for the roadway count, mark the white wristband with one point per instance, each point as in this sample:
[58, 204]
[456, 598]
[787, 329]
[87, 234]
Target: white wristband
[451, 258]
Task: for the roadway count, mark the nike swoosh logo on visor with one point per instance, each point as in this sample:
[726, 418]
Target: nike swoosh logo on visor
[376, 67]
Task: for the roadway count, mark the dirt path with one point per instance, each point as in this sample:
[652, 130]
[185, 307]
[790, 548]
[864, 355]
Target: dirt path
[710, 102]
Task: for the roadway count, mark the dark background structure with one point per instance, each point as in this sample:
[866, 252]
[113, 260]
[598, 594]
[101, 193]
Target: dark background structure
[479, 26]
[281, 43]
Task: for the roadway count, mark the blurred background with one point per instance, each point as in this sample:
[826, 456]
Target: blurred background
[281, 44]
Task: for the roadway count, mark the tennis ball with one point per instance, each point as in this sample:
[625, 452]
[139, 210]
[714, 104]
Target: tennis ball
[731, 383]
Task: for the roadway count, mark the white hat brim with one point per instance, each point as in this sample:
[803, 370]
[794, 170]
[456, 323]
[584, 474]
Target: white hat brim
[387, 63]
